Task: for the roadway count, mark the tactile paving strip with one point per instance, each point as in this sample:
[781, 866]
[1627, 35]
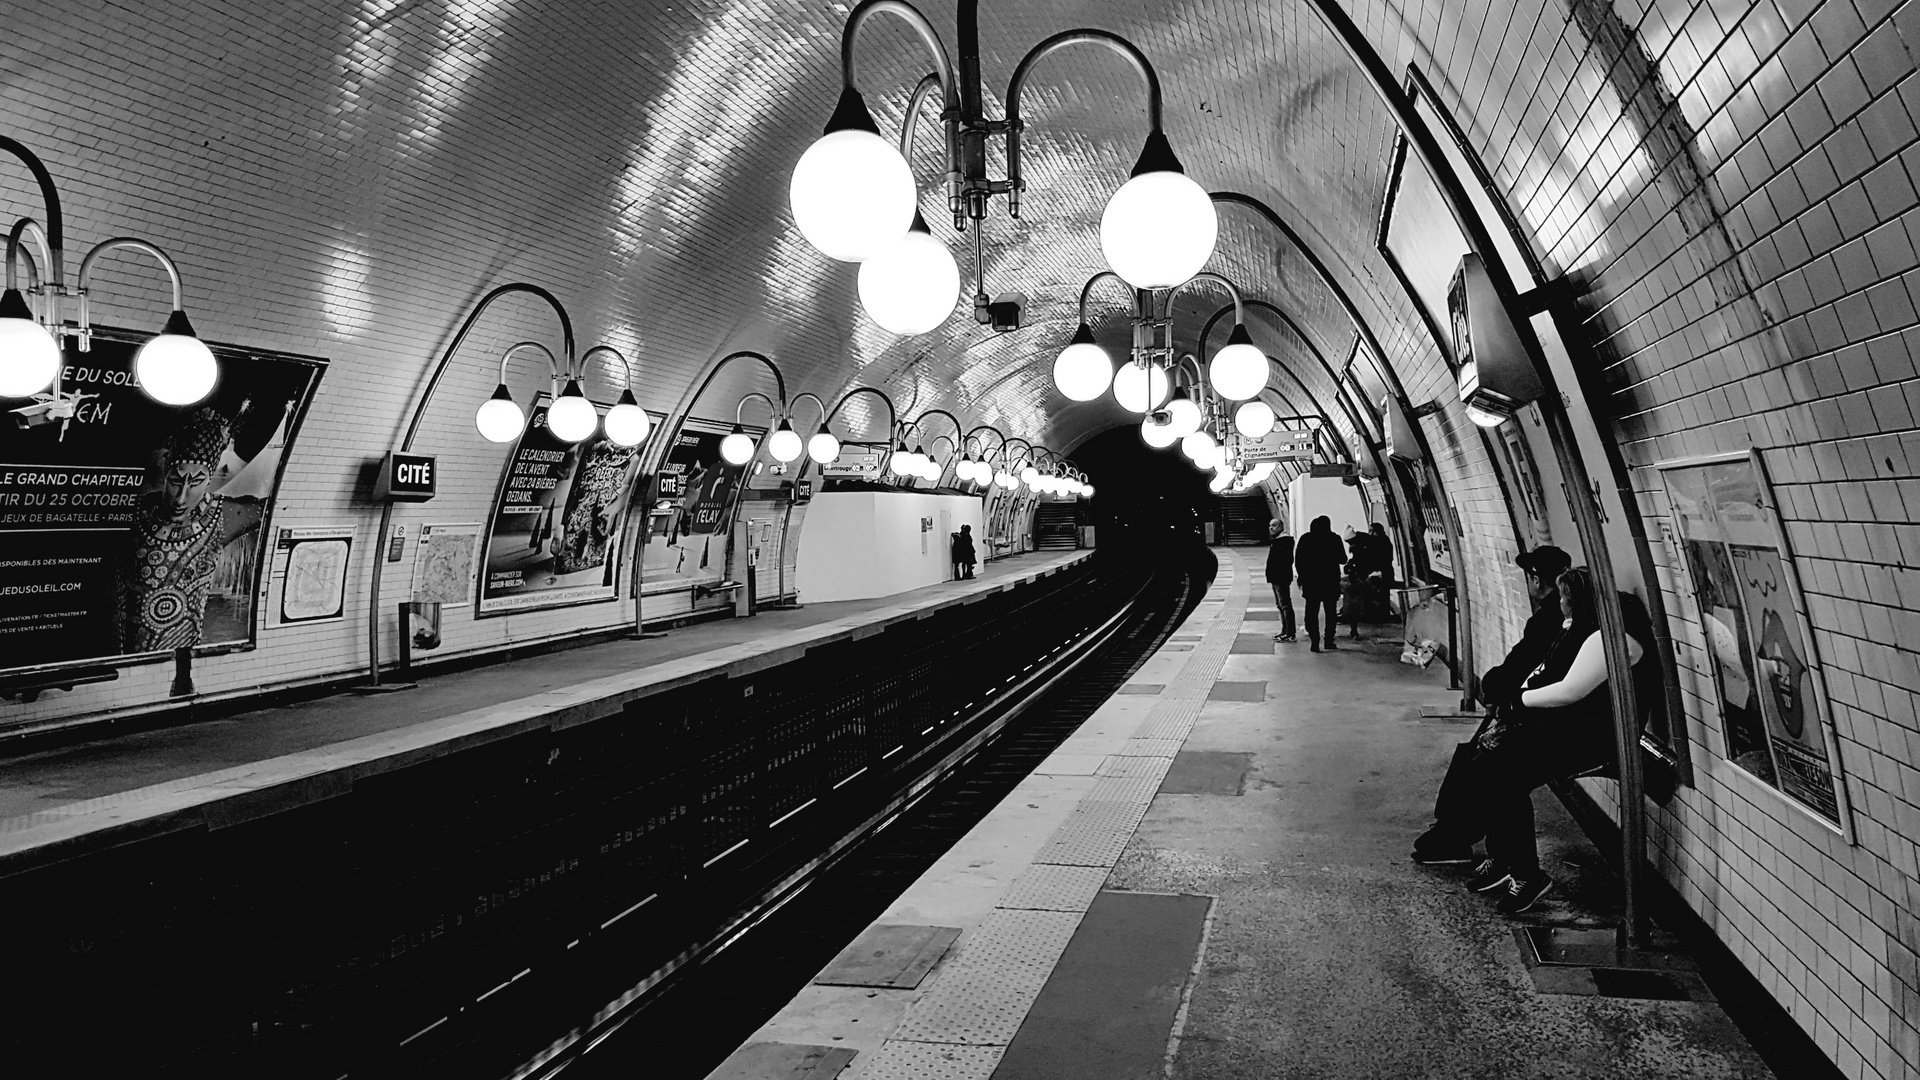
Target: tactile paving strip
[1151, 748]
[927, 1061]
[984, 995]
[1055, 888]
[1135, 766]
[1093, 835]
[1121, 789]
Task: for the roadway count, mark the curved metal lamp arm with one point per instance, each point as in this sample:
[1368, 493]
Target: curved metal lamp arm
[893, 416]
[460, 336]
[1046, 48]
[977, 428]
[1086, 291]
[105, 247]
[1239, 314]
[55, 240]
[915, 103]
[773, 410]
[817, 403]
[1006, 451]
[26, 226]
[958, 427]
[943, 64]
[1313, 399]
[617, 355]
[553, 363]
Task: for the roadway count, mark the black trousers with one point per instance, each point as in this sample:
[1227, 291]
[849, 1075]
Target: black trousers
[1316, 603]
[1509, 774]
[1283, 599]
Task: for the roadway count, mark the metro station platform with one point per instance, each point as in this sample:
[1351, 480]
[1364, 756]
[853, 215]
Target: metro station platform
[62, 803]
[1211, 880]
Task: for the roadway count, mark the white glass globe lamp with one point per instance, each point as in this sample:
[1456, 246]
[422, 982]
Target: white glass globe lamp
[1083, 369]
[1239, 370]
[176, 367]
[1007, 480]
[784, 444]
[1140, 387]
[498, 418]
[823, 448]
[1158, 436]
[737, 447]
[1028, 475]
[627, 422]
[911, 286]
[1088, 491]
[900, 462]
[1254, 419]
[1221, 480]
[1195, 444]
[852, 193]
[1183, 414]
[29, 357]
[1158, 230]
[571, 417]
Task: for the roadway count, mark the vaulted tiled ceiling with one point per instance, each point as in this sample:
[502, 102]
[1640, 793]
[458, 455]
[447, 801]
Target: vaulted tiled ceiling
[398, 158]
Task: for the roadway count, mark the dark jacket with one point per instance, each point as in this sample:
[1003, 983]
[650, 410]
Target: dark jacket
[1501, 684]
[1280, 559]
[1316, 559]
[963, 549]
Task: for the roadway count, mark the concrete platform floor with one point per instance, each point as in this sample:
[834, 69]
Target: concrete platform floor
[1329, 953]
[118, 764]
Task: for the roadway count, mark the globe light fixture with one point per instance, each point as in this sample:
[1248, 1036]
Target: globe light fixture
[29, 356]
[1254, 419]
[1159, 229]
[1221, 480]
[1239, 370]
[1089, 491]
[1183, 415]
[1259, 472]
[1196, 445]
[1029, 475]
[852, 193]
[176, 367]
[737, 447]
[1158, 436]
[627, 423]
[784, 444]
[572, 417]
[911, 286]
[823, 448]
[1083, 369]
[498, 418]
[1140, 387]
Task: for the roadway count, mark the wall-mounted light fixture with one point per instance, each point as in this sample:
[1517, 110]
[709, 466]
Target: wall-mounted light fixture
[1496, 375]
[854, 197]
[626, 423]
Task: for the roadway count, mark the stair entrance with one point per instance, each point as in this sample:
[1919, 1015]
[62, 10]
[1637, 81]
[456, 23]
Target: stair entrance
[1246, 518]
[1054, 528]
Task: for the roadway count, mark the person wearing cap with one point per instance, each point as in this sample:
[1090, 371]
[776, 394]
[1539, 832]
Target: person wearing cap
[1458, 822]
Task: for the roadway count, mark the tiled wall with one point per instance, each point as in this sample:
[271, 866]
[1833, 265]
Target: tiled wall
[1730, 184]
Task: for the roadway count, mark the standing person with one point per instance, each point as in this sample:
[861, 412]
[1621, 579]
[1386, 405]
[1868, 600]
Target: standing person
[1353, 595]
[963, 556]
[1316, 560]
[1280, 575]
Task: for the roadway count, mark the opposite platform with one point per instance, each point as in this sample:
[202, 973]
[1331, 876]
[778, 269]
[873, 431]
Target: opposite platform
[61, 803]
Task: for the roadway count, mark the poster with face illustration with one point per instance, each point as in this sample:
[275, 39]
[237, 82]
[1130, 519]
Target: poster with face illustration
[1773, 706]
[129, 528]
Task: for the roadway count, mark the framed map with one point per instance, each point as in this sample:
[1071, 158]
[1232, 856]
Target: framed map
[309, 579]
[443, 564]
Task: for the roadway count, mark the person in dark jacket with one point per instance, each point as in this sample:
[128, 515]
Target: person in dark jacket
[963, 557]
[1280, 576]
[1458, 809]
[1317, 559]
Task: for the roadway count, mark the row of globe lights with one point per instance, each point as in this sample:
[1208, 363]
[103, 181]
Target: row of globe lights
[571, 417]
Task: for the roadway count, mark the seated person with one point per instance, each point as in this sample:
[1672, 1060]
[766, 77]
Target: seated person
[1458, 820]
[1563, 726]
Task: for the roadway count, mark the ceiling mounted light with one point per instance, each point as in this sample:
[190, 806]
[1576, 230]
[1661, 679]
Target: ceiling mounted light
[1159, 229]
[1083, 369]
[1183, 414]
[627, 423]
[498, 418]
[1221, 480]
[852, 192]
[29, 356]
[1195, 444]
[176, 367]
[1088, 491]
[1140, 387]
[572, 417]
[1239, 370]
[737, 447]
[1259, 472]
[1158, 436]
[1028, 475]
[1007, 480]
[1254, 419]
[784, 444]
[911, 286]
[823, 448]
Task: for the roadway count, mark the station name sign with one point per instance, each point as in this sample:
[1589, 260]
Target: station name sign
[408, 478]
[1280, 444]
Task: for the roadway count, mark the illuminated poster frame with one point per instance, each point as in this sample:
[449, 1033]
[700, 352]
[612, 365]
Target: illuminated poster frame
[1729, 545]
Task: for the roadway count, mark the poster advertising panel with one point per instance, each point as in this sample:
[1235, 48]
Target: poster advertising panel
[1773, 705]
[692, 520]
[129, 528]
[554, 537]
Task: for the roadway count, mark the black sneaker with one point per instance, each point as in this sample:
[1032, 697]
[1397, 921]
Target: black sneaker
[1524, 892]
[1330, 645]
[1488, 876]
[1442, 857]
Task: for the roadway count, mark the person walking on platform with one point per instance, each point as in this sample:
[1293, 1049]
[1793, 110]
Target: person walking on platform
[1458, 810]
[1317, 559]
[964, 559]
[1280, 575]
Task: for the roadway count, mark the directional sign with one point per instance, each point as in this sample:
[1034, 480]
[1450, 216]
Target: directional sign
[1280, 444]
[857, 461]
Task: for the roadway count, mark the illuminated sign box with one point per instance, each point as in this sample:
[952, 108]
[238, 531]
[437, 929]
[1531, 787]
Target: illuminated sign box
[408, 478]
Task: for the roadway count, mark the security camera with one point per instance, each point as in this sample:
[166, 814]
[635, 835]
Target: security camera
[1160, 416]
[1002, 312]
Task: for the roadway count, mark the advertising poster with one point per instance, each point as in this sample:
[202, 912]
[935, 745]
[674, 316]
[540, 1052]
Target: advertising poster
[1773, 709]
[443, 564]
[129, 528]
[308, 583]
[692, 521]
[554, 538]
